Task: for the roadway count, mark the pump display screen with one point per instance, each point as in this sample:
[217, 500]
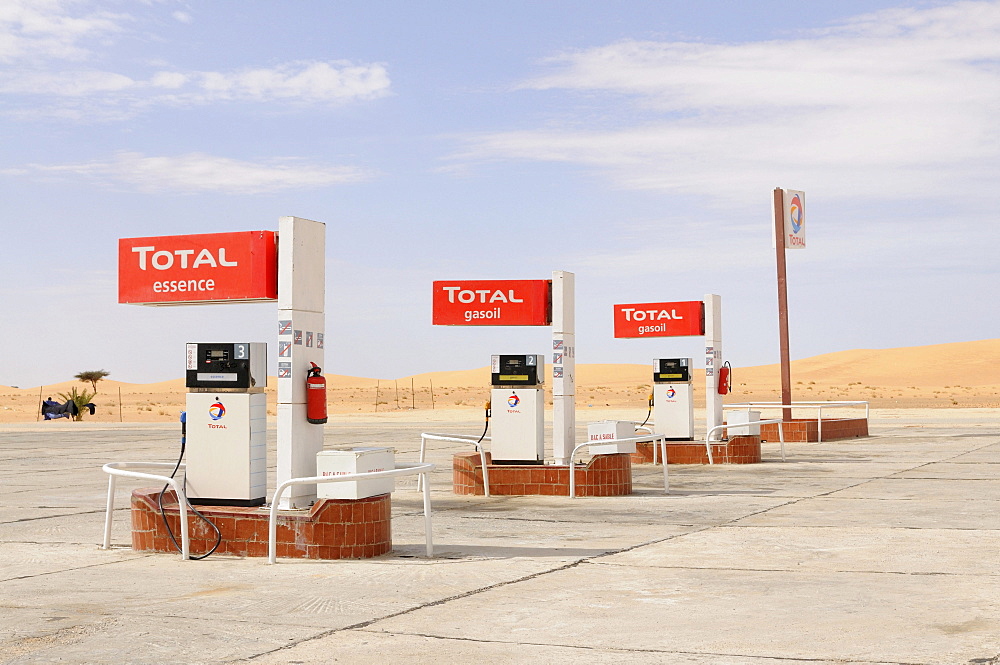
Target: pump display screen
[227, 365]
[517, 370]
[666, 370]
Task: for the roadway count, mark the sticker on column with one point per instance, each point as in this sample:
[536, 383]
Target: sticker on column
[557, 358]
[309, 338]
[557, 372]
[319, 340]
[285, 327]
[709, 371]
[298, 337]
[284, 370]
[557, 344]
[284, 349]
[709, 362]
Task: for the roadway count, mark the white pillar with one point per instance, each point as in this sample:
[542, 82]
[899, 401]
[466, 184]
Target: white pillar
[563, 365]
[301, 332]
[713, 361]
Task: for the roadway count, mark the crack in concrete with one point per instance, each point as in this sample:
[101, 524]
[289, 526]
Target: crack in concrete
[442, 601]
[52, 517]
[67, 570]
[625, 650]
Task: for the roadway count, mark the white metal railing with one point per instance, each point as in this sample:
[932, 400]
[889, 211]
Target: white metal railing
[649, 437]
[402, 469]
[719, 428]
[818, 405]
[458, 438]
[649, 430]
[115, 469]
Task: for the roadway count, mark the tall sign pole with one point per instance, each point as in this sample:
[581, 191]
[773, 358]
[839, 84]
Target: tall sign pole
[789, 231]
[713, 360]
[563, 365]
[301, 331]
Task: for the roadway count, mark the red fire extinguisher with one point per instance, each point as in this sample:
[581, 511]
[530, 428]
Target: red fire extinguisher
[725, 379]
[316, 396]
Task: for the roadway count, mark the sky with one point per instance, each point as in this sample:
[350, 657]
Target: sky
[633, 143]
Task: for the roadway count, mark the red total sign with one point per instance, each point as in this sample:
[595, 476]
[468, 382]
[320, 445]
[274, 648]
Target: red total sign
[196, 269]
[660, 319]
[506, 302]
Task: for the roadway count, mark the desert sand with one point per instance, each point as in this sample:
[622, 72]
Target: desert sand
[962, 374]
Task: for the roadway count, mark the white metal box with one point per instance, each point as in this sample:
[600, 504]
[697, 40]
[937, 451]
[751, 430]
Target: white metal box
[518, 425]
[226, 448]
[610, 430]
[673, 411]
[355, 460]
[737, 417]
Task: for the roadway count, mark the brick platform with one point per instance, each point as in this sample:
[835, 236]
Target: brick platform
[332, 529]
[604, 475]
[739, 450]
[807, 429]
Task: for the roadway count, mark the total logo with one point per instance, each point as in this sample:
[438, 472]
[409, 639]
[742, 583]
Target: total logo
[671, 393]
[795, 213]
[513, 400]
[216, 411]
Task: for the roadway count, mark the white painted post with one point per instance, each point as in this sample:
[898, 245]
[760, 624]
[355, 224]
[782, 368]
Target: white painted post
[301, 331]
[563, 365]
[713, 360]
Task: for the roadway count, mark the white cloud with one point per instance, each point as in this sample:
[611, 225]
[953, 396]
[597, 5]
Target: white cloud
[888, 104]
[39, 37]
[64, 84]
[36, 30]
[199, 173]
[302, 81]
[112, 96]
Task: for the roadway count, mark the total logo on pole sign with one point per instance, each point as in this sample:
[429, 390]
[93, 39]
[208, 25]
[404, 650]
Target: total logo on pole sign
[795, 219]
[660, 319]
[507, 302]
[195, 269]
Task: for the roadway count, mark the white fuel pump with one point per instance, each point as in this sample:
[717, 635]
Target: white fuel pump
[518, 409]
[673, 402]
[226, 424]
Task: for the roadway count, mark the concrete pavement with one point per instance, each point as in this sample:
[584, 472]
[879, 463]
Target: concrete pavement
[883, 550]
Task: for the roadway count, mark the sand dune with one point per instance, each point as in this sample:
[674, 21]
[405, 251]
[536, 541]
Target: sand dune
[940, 375]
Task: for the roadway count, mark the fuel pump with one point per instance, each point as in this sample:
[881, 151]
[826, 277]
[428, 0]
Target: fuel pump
[226, 423]
[673, 403]
[518, 409]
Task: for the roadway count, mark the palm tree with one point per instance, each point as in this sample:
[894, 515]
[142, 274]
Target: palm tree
[92, 377]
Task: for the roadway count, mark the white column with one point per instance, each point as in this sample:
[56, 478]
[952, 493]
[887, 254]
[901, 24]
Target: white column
[563, 365]
[301, 332]
[713, 361]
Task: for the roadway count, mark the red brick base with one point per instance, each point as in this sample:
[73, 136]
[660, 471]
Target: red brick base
[807, 429]
[738, 450]
[333, 528]
[604, 475]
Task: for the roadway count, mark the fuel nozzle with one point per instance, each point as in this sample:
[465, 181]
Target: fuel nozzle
[486, 408]
[649, 411]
